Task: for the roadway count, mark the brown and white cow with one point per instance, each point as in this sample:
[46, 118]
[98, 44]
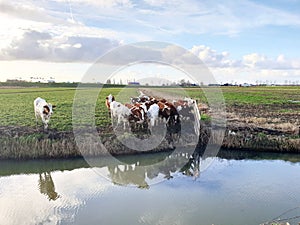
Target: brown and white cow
[137, 114]
[109, 99]
[43, 110]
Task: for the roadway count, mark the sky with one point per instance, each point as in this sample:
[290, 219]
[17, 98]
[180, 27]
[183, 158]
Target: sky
[238, 41]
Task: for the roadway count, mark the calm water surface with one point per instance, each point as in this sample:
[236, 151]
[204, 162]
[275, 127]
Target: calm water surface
[238, 188]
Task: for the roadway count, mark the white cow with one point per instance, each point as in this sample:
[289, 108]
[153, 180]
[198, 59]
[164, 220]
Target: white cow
[121, 112]
[153, 113]
[43, 110]
[190, 101]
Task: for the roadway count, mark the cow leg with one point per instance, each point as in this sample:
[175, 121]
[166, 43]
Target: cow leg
[124, 124]
[169, 138]
[112, 120]
[120, 118]
[45, 122]
[36, 121]
[46, 126]
[168, 120]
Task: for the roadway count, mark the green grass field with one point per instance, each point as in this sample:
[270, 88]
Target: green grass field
[244, 95]
[261, 95]
[20, 140]
[16, 105]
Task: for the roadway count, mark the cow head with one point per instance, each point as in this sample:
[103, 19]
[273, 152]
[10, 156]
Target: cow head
[48, 109]
[110, 98]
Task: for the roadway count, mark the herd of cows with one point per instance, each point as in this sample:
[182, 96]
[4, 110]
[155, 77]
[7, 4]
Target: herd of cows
[147, 112]
[143, 112]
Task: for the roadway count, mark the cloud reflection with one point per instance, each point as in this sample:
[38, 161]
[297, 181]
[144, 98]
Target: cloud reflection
[25, 205]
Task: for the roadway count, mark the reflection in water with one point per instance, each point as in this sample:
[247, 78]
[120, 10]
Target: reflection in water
[24, 203]
[254, 189]
[284, 218]
[192, 167]
[131, 174]
[140, 171]
[46, 186]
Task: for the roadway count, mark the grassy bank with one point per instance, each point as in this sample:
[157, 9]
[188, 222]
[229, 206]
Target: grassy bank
[259, 118]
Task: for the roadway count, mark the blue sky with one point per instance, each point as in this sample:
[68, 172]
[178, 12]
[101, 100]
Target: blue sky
[239, 41]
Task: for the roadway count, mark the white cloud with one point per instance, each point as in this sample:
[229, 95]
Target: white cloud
[26, 205]
[28, 11]
[253, 75]
[14, 9]
[163, 3]
[25, 25]
[213, 58]
[34, 45]
[180, 16]
[217, 17]
[82, 30]
[260, 61]
[250, 68]
[254, 59]
[144, 17]
[101, 3]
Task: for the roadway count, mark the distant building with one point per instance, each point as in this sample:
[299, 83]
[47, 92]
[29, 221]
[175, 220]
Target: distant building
[51, 80]
[14, 80]
[245, 85]
[227, 84]
[133, 83]
[38, 80]
[42, 80]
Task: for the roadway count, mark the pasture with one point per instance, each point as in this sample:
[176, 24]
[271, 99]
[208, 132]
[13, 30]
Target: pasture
[16, 104]
[255, 95]
[262, 118]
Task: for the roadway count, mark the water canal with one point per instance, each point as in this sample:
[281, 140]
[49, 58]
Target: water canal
[237, 188]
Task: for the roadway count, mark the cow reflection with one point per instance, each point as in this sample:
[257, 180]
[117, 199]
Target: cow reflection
[46, 186]
[128, 175]
[192, 167]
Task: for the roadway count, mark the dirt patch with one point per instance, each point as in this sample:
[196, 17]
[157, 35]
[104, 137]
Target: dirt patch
[263, 127]
[283, 118]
